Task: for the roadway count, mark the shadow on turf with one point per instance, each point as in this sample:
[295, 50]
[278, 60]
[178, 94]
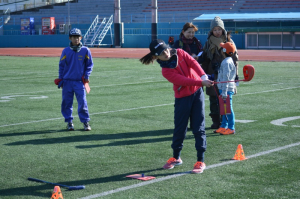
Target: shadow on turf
[129, 138]
[34, 191]
[30, 133]
[37, 188]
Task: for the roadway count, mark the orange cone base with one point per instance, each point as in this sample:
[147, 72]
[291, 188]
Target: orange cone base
[240, 159]
[57, 193]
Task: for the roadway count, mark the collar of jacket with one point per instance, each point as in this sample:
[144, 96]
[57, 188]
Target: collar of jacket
[171, 63]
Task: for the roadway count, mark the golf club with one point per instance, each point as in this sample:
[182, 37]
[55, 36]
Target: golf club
[248, 71]
[66, 186]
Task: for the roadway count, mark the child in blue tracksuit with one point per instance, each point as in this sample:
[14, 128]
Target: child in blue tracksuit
[75, 66]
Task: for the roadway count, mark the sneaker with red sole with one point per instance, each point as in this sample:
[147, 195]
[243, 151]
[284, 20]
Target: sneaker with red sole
[228, 132]
[199, 167]
[220, 130]
[172, 162]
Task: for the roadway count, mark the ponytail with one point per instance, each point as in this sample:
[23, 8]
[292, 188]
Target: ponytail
[147, 59]
[229, 36]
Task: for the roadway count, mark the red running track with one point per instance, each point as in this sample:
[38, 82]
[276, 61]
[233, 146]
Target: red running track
[136, 53]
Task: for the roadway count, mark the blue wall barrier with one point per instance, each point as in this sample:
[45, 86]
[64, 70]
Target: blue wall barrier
[136, 35]
[130, 41]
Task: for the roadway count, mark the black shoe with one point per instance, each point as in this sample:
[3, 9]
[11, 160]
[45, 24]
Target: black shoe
[215, 126]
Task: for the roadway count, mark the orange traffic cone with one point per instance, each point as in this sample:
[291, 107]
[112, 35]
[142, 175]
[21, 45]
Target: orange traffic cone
[239, 154]
[56, 193]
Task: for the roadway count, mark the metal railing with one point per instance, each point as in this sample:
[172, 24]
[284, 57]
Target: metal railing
[169, 31]
[4, 18]
[91, 29]
[128, 31]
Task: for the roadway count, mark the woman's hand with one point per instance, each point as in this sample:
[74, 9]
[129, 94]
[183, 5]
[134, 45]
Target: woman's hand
[207, 83]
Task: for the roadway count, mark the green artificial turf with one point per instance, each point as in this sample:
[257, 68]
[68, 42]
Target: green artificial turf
[131, 109]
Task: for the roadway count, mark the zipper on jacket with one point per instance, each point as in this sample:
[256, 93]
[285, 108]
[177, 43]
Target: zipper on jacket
[181, 86]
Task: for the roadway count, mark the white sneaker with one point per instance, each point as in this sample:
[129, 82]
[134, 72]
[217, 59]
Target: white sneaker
[70, 126]
[87, 126]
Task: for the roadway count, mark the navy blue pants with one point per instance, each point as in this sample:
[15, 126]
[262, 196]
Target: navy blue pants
[192, 107]
[69, 88]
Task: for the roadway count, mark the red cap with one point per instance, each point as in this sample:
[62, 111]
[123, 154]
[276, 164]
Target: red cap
[230, 47]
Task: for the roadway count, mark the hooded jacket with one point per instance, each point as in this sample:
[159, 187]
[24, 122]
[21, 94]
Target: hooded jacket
[186, 76]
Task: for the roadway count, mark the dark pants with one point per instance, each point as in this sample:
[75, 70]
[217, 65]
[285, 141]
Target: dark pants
[190, 107]
[213, 105]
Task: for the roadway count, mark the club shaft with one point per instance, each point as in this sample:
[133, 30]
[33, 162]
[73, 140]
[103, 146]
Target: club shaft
[42, 181]
[61, 185]
[229, 81]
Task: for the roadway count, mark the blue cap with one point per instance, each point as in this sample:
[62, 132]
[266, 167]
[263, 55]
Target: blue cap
[75, 32]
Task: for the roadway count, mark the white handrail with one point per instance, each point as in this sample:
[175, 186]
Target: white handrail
[93, 25]
[105, 30]
[98, 30]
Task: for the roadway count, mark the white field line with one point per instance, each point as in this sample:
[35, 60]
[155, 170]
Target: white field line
[184, 173]
[130, 109]
[268, 91]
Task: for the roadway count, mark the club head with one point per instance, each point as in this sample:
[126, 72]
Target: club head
[248, 72]
[76, 187]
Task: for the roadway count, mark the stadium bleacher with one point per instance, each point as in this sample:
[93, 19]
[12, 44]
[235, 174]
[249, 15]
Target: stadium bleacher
[84, 11]
[179, 6]
[270, 6]
[172, 14]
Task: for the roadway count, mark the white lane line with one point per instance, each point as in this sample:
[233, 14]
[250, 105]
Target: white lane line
[268, 91]
[16, 124]
[136, 108]
[184, 173]
[280, 121]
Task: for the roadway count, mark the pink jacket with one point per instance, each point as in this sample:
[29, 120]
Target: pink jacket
[186, 77]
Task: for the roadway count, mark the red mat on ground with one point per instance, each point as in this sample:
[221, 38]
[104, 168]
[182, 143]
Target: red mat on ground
[140, 177]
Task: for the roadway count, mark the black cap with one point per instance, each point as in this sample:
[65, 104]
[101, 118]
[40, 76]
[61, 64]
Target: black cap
[157, 47]
[75, 32]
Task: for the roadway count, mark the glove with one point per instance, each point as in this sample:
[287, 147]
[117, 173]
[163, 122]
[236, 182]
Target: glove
[224, 97]
[58, 82]
[211, 77]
